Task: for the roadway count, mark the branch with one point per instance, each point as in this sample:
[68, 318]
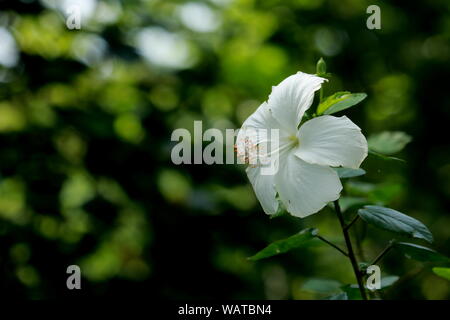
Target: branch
[383, 253]
[352, 222]
[351, 254]
[333, 245]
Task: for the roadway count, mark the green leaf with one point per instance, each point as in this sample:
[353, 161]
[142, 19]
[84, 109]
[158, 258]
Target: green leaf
[388, 281]
[420, 253]
[442, 272]
[388, 142]
[338, 296]
[392, 220]
[349, 173]
[340, 101]
[281, 246]
[352, 291]
[383, 157]
[321, 285]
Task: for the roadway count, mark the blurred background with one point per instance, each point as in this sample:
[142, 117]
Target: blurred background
[86, 118]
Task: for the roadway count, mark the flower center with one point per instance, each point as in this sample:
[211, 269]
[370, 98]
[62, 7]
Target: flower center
[294, 140]
[247, 151]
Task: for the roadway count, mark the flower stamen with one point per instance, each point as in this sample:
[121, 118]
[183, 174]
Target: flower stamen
[295, 141]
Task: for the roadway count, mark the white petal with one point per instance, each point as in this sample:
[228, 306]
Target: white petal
[260, 135]
[261, 118]
[292, 97]
[332, 141]
[249, 142]
[306, 188]
[264, 189]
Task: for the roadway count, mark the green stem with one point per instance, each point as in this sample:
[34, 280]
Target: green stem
[351, 254]
[332, 245]
[352, 222]
[383, 253]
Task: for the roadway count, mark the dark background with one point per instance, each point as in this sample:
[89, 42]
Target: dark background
[86, 118]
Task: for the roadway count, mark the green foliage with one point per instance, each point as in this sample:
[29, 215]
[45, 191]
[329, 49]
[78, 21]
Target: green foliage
[340, 101]
[392, 220]
[442, 272]
[387, 281]
[321, 68]
[321, 285]
[338, 296]
[387, 142]
[298, 240]
[420, 253]
[383, 157]
[382, 193]
[352, 292]
[349, 173]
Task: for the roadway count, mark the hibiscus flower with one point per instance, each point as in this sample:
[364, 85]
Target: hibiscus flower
[304, 180]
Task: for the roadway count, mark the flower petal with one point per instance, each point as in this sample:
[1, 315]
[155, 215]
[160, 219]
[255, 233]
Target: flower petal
[261, 118]
[260, 137]
[292, 97]
[250, 144]
[332, 141]
[305, 188]
[264, 189]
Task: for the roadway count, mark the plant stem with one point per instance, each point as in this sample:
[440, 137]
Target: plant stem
[333, 245]
[351, 254]
[352, 222]
[359, 249]
[381, 255]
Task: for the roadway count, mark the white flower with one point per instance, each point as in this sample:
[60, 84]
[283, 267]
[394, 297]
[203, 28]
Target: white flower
[304, 179]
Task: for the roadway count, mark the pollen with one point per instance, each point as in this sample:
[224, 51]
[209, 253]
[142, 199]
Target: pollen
[248, 152]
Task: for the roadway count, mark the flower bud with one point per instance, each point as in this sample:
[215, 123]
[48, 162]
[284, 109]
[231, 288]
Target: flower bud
[321, 67]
